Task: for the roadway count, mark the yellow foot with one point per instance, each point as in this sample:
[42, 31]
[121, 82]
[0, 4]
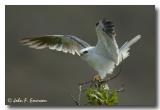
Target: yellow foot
[97, 78]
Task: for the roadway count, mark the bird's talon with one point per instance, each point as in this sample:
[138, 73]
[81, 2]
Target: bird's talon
[97, 78]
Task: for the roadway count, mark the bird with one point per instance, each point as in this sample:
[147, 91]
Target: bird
[103, 57]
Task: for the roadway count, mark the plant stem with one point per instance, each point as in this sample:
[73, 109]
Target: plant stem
[79, 96]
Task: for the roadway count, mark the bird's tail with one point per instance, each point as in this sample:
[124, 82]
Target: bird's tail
[126, 47]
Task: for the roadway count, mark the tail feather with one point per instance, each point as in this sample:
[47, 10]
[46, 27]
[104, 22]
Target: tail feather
[126, 47]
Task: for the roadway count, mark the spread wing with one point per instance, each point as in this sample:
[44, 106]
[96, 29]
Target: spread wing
[124, 50]
[107, 45]
[64, 43]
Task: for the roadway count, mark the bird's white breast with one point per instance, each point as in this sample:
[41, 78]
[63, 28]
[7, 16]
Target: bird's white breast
[102, 65]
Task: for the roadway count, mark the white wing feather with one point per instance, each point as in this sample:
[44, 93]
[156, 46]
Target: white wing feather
[64, 43]
[124, 50]
[107, 46]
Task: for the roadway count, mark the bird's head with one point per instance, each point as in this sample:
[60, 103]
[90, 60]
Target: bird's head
[106, 26]
[86, 51]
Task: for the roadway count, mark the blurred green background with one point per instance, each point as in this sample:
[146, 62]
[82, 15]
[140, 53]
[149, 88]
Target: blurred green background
[51, 75]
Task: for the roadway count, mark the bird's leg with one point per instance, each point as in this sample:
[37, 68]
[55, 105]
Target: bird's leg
[97, 78]
[97, 81]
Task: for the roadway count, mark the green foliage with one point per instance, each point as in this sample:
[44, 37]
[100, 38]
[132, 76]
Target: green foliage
[101, 96]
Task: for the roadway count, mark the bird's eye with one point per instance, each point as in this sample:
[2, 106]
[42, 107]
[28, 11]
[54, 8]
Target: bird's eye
[85, 52]
[97, 23]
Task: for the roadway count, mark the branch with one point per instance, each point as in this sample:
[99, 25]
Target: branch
[122, 89]
[95, 85]
[79, 96]
[75, 101]
[113, 76]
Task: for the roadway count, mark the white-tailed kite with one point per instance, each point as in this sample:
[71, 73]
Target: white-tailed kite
[103, 57]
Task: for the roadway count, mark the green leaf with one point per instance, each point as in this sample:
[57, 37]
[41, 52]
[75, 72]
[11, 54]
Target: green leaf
[101, 96]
